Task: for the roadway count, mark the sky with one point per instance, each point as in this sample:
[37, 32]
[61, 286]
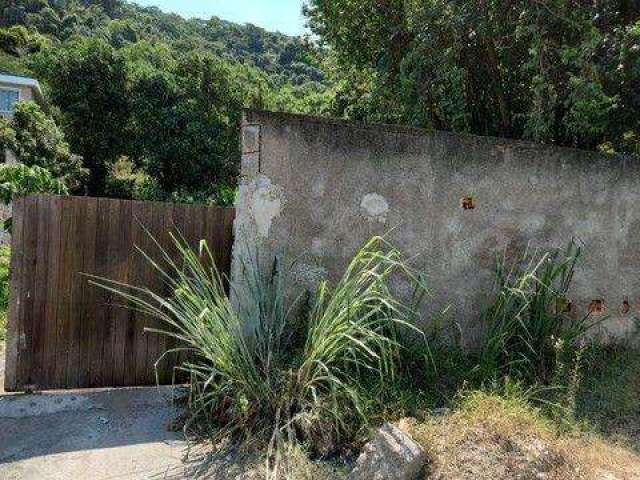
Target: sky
[282, 15]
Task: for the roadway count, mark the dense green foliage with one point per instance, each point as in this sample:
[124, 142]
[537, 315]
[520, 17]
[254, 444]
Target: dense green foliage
[258, 370]
[530, 323]
[19, 180]
[163, 92]
[557, 71]
[36, 141]
[174, 116]
[45, 163]
[286, 59]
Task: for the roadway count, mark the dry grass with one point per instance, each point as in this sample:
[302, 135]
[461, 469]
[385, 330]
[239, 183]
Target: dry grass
[496, 437]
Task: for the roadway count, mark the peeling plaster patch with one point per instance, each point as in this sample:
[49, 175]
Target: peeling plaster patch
[266, 202]
[375, 207]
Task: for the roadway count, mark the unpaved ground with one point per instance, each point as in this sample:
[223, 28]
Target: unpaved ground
[106, 434]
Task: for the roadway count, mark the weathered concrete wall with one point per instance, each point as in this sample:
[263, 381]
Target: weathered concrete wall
[317, 189]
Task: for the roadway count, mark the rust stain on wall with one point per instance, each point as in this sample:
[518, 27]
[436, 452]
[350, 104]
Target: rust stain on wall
[596, 307]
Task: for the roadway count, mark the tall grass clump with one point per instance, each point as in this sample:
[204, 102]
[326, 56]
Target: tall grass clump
[265, 372]
[530, 325]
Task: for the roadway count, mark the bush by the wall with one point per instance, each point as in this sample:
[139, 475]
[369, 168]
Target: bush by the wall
[530, 324]
[258, 371]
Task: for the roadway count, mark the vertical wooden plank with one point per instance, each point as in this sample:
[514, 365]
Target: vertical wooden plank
[190, 227]
[51, 311]
[180, 214]
[88, 326]
[191, 223]
[41, 330]
[209, 222]
[11, 380]
[143, 214]
[110, 272]
[75, 300]
[121, 316]
[25, 332]
[200, 214]
[134, 326]
[165, 343]
[154, 341]
[217, 232]
[102, 299]
[63, 300]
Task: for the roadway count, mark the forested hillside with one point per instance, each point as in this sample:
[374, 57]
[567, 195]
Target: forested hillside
[283, 57]
[150, 100]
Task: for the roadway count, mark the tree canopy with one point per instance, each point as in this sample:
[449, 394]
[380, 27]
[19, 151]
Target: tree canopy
[163, 92]
[157, 98]
[565, 72]
[36, 141]
[45, 163]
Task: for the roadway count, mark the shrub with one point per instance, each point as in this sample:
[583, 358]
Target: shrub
[125, 181]
[530, 323]
[263, 372]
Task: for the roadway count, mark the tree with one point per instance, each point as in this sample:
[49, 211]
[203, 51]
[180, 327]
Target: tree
[88, 82]
[45, 163]
[19, 180]
[185, 122]
[37, 142]
[556, 71]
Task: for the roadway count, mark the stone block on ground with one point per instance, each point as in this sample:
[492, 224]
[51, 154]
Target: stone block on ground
[391, 455]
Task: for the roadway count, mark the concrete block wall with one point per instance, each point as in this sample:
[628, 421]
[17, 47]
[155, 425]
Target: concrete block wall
[317, 189]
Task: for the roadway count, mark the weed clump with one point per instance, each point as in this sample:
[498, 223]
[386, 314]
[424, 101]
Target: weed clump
[530, 327]
[257, 372]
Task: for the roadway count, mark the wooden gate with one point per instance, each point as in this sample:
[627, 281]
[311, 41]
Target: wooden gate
[66, 333]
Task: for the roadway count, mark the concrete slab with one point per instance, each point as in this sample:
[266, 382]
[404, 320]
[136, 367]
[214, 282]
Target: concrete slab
[95, 434]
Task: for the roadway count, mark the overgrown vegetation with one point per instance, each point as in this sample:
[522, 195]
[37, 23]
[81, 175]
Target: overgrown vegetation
[260, 372]
[531, 323]
[45, 163]
[318, 375]
[556, 71]
[160, 91]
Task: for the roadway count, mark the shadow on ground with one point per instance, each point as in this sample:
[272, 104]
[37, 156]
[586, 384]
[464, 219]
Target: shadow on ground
[102, 434]
[116, 433]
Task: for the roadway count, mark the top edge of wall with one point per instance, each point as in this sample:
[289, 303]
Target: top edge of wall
[257, 116]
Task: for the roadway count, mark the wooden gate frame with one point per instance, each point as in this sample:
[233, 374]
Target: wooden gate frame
[58, 323]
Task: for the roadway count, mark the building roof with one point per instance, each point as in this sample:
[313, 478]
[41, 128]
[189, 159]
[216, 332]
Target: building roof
[22, 81]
